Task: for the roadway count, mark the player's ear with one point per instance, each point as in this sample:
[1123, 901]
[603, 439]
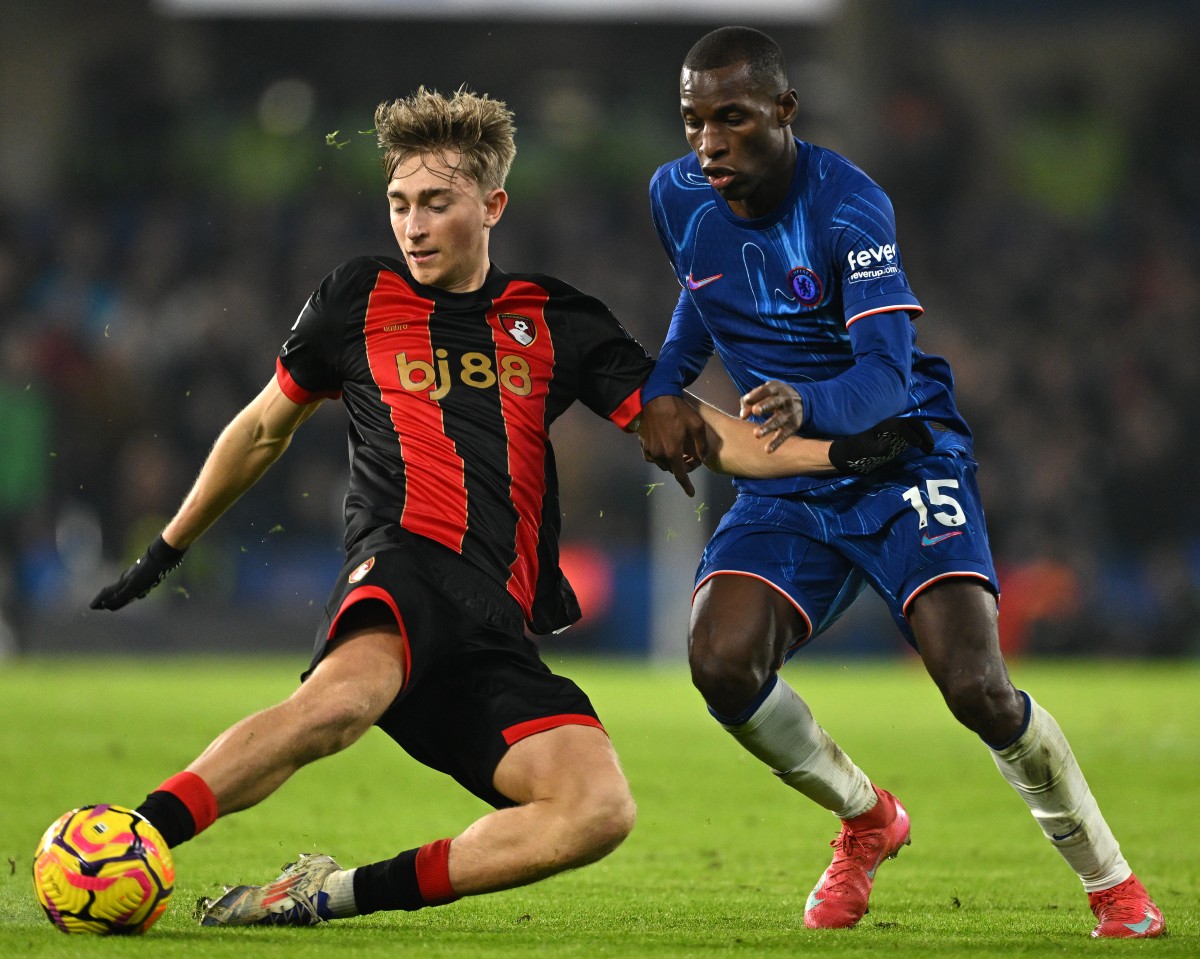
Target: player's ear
[787, 104]
[494, 202]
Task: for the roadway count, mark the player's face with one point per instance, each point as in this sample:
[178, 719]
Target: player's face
[442, 221]
[741, 134]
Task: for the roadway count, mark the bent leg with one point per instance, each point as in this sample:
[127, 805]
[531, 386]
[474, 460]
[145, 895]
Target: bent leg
[741, 629]
[575, 808]
[954, 622]
[955, 625]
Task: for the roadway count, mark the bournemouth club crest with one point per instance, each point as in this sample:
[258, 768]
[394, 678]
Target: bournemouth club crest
[519, 327]
[361, 570]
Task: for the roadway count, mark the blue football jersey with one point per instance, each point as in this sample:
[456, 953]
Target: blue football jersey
[813, 294]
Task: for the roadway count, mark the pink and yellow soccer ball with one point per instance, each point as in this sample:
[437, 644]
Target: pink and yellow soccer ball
[103, 870]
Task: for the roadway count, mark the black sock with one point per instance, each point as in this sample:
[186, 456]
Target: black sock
[170, 817]
[390, 884]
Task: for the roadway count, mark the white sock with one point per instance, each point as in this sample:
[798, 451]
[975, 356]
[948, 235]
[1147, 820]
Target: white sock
[339, 887]
[1043, 770]
[784, 735]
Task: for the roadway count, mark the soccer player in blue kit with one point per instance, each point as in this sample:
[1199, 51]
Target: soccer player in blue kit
[791, 272]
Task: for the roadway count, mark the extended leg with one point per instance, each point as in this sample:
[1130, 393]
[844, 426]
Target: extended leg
[350, 688]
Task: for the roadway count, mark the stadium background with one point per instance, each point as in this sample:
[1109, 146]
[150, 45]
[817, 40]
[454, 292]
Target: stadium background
[172, 188]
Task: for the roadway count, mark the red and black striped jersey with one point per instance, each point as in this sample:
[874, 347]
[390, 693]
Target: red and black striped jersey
[450, 398]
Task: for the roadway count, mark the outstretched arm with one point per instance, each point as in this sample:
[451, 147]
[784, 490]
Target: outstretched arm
[737, 447]
[244, 451]
[733, 447]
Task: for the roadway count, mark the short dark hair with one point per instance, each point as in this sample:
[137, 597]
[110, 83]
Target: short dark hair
[732, 45]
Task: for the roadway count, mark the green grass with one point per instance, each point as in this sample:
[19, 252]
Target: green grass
[723, 855]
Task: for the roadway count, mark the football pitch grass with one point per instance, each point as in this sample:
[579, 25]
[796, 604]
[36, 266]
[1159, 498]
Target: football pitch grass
[723, 855]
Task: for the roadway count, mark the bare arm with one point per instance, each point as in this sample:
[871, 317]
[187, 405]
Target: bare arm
[735, 447]
[245, 450]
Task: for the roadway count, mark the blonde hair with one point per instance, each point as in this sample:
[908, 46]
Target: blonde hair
[478, 128]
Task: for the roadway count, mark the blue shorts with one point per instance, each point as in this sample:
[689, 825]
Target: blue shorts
[898, 531]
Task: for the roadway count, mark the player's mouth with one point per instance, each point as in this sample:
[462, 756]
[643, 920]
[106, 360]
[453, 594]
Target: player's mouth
[719, 177]
[420, 257]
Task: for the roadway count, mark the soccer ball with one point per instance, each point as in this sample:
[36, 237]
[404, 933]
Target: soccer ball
[103, 870]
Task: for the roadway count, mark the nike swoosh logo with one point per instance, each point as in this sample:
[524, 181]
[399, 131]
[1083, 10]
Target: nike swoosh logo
[927, 540]
[1140, 927]
[696, 284]
[1066, 835]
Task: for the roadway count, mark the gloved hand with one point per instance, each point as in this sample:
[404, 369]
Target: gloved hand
[882, 443]
[150, 570]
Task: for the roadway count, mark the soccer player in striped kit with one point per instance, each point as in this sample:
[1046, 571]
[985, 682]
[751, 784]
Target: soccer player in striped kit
[451, 372]
[791, 272]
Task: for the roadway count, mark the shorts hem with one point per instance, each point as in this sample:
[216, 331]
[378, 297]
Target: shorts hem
[950, 570]
[808, 626]
[514, 734]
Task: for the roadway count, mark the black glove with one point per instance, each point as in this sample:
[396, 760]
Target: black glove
[882, 443]
[150, 570]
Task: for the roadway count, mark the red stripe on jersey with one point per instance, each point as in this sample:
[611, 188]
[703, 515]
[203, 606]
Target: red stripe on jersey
[400, 353]
[514, 734]
[294, 391]
[524, 371]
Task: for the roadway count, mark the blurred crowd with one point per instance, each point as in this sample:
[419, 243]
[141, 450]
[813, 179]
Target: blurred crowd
[144, 304]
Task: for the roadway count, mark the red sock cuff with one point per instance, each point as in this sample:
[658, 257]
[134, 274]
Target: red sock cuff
[194, 793]
[433, 873]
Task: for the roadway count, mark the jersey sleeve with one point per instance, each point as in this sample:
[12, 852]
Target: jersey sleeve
[613, 365]
[684, 353]
[308, 366]
[873, 389]
[864, 247]
[688, 345]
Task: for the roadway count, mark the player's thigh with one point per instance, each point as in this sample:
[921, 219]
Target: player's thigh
[955, 624]
[767, 578]
[572, 764]
[739, 617]
[356, 681]
[466, 714]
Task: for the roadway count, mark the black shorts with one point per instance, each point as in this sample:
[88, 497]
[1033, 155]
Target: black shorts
[476, 683]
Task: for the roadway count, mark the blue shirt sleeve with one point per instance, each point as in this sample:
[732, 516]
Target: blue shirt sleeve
[684, 353]
[873, 389]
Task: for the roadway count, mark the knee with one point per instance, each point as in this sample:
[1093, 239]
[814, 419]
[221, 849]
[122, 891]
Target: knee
[725, 676]
[601, 822]
[610, 819]
[988, 706]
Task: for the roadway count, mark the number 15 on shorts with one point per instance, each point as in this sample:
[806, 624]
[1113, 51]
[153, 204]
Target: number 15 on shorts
[946, 509]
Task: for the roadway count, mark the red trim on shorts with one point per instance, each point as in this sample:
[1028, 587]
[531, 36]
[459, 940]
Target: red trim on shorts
[514, 734]
[808, 628]
[433, 873]
[937, 579]
[374, 592]
[196, 795]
